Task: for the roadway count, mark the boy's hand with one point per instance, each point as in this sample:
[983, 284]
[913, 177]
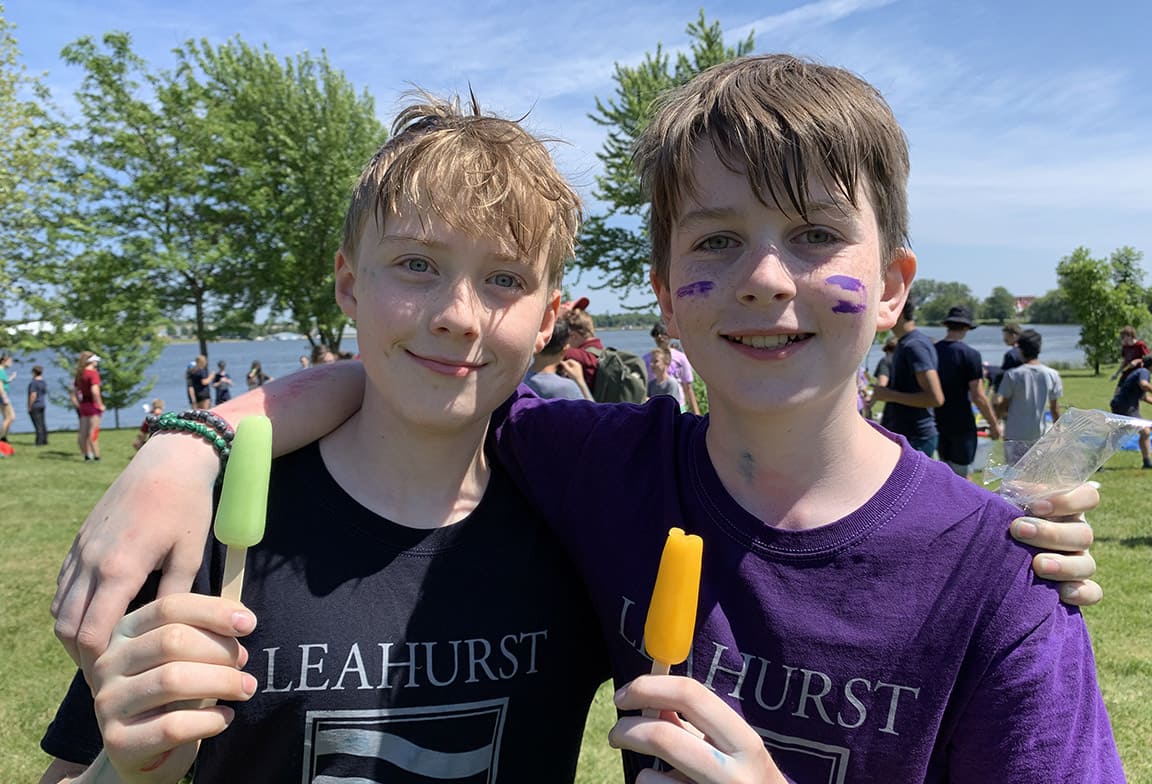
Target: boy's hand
[150, 686]
[156, 515]
[709, 745]
[1065, 533]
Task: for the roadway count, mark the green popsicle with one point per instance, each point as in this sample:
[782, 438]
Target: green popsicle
[244, 498]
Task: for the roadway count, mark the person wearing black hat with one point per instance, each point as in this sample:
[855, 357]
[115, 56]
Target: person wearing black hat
[961, 370]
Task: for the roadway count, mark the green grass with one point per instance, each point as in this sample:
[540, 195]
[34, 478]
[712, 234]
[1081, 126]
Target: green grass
[48, 491]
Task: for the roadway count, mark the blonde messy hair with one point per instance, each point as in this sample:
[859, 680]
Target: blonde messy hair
[480, 174]
[786, 122]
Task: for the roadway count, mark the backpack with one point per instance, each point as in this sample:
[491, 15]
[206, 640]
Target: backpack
[621, 376]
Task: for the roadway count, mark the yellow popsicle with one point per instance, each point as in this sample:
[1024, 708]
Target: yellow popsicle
[243, 503]
[672, 613]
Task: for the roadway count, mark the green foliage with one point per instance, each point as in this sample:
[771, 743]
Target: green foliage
[630, 320]
[145, 154]
[224, 181]
[109, 299]
[933, 299]
[29, 139]
[999, 306]
[1052, 308]
[616, 243]
[298, 135]
[1105, 295]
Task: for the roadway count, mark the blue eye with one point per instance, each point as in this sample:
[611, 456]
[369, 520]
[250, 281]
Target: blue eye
[417, 264]
[505, 280]
[717, 242]
[817, 236]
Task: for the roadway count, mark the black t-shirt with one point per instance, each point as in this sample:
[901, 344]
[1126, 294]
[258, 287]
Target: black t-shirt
[383, 653]
[38, 386]
[197, 379]
[914, 354]
[959, 364]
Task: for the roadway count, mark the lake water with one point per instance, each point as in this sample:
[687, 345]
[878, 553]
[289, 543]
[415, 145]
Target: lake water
[279, 357]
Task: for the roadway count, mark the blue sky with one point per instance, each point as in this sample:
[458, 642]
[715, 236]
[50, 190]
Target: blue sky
[1030, 123]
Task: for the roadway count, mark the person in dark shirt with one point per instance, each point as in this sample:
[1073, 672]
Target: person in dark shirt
[961, 371]
[37, 401]
[914, 388]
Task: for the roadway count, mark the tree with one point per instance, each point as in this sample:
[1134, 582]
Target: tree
[298, 135]
[934, 298]
[115, 317]
[145, 152]
[1052, 308]
[1100, 304]
[616, 242]
[30, 136]
[1000, 306]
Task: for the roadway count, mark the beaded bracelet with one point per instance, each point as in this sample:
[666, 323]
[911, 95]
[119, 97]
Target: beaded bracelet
[217, 423]
[204, 424]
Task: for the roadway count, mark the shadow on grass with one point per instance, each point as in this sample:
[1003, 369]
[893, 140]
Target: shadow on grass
[57, 454]
[1127, 541]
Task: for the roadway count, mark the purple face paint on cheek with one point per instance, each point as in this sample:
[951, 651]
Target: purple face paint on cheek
[692, 289]
[848, 284]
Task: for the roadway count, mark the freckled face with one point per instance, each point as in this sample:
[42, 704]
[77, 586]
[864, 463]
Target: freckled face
[446, 323]
[772, 309]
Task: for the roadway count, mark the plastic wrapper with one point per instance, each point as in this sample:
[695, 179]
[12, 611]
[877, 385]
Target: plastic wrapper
[1079, 442]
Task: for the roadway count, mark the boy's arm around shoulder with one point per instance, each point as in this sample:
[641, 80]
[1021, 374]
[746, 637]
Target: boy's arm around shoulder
[1031, 709]
[157, 513]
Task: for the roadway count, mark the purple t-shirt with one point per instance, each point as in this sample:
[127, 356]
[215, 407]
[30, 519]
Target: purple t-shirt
[905, 642]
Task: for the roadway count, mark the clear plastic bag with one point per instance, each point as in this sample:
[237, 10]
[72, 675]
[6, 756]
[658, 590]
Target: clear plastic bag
[1065, 457]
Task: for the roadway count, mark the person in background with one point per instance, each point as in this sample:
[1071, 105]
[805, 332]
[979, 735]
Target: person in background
[322, 355]
[913, 390]
[1132, 353]
[961, 370]
[883, 371]
[1009, 333]
[581, 338]
[1025, 392]
[305, 362]
[89, 404]
[1136, 388]
[37, 401]
[660, 381]
[256, 375]
[142, 435]
[199, 383]
[222, 383]
[680, 369]
[552, 376]
[8, 413]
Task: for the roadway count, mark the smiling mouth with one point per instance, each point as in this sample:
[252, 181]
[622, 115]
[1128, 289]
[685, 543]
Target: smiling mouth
[768, 341]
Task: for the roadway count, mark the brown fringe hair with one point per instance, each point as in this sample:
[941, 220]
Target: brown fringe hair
[480, 174]
[786, 122]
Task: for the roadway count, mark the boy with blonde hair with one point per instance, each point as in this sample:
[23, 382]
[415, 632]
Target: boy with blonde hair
[415, 617]
[778, 225]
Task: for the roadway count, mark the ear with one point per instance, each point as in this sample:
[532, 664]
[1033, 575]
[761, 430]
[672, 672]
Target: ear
[897, 285]
[548, 321]
[664, 299]
[345, 285]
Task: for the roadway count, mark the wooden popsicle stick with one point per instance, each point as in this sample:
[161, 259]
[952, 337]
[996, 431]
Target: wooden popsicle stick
[233, 584]
[658, 668]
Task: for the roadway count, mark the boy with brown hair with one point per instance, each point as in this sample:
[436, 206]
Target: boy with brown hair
[779, 223]
[416, 619]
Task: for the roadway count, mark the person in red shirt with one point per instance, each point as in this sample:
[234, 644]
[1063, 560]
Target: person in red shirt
[1132, 352]
[581, 337]
[89, 404]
